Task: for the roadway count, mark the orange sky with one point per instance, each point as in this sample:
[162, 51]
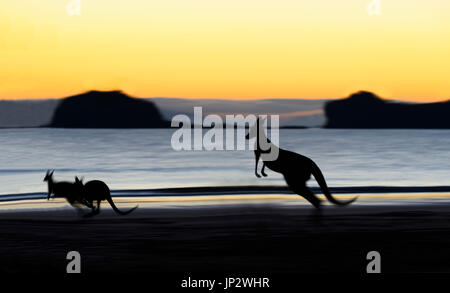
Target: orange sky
[237, 49]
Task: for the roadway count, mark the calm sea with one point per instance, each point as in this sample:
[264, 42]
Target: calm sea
[144, 159]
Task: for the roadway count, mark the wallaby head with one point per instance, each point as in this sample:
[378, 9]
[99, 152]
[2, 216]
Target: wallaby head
[78, 181]
[49, 176]
[78, 184]
[255, 128]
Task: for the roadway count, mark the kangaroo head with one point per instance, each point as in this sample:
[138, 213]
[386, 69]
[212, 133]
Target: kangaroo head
[78, 184]
[49, 175]
[253, 130]
[78, 180]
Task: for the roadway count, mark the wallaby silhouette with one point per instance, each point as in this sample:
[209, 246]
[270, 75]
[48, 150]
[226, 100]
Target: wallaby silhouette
[93, 192]
[72, 192]
[78, 194]
[295, 168]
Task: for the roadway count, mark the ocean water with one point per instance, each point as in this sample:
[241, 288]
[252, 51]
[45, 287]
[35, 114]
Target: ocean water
[144, 158]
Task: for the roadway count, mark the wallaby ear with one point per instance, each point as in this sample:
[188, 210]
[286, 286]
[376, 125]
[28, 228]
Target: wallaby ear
[52, 172]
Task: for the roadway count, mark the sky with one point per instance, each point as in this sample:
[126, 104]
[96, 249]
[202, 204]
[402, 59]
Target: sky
[231, 49]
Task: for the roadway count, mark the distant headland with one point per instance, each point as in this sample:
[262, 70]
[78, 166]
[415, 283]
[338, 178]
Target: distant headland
[366, 110]
[111, 109]
[115, 109]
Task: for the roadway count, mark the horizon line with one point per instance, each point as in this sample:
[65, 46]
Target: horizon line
[220, 99]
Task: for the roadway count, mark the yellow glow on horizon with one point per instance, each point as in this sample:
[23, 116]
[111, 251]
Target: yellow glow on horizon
[152, 201]
[236, 49]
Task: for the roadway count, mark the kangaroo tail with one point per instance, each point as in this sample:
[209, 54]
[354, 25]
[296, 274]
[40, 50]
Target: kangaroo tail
[109, 199]
[323, 185]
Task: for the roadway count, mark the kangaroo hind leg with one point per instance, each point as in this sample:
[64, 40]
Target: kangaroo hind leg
[310, 196]
[95, 210]
[301, 189]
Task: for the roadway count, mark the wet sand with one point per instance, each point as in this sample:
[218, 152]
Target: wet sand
[253, 235]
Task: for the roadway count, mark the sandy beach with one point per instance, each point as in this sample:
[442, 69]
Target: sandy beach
[235, 235]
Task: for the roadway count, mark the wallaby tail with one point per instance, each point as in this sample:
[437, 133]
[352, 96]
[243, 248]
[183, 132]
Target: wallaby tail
[109, 199]
[323, 185]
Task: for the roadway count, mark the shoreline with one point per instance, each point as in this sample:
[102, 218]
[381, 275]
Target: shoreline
[242, 190]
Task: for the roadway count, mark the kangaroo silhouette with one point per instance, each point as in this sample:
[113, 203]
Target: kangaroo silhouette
[72, 192]
[93, 192]
[78, 194]
[295, 168]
